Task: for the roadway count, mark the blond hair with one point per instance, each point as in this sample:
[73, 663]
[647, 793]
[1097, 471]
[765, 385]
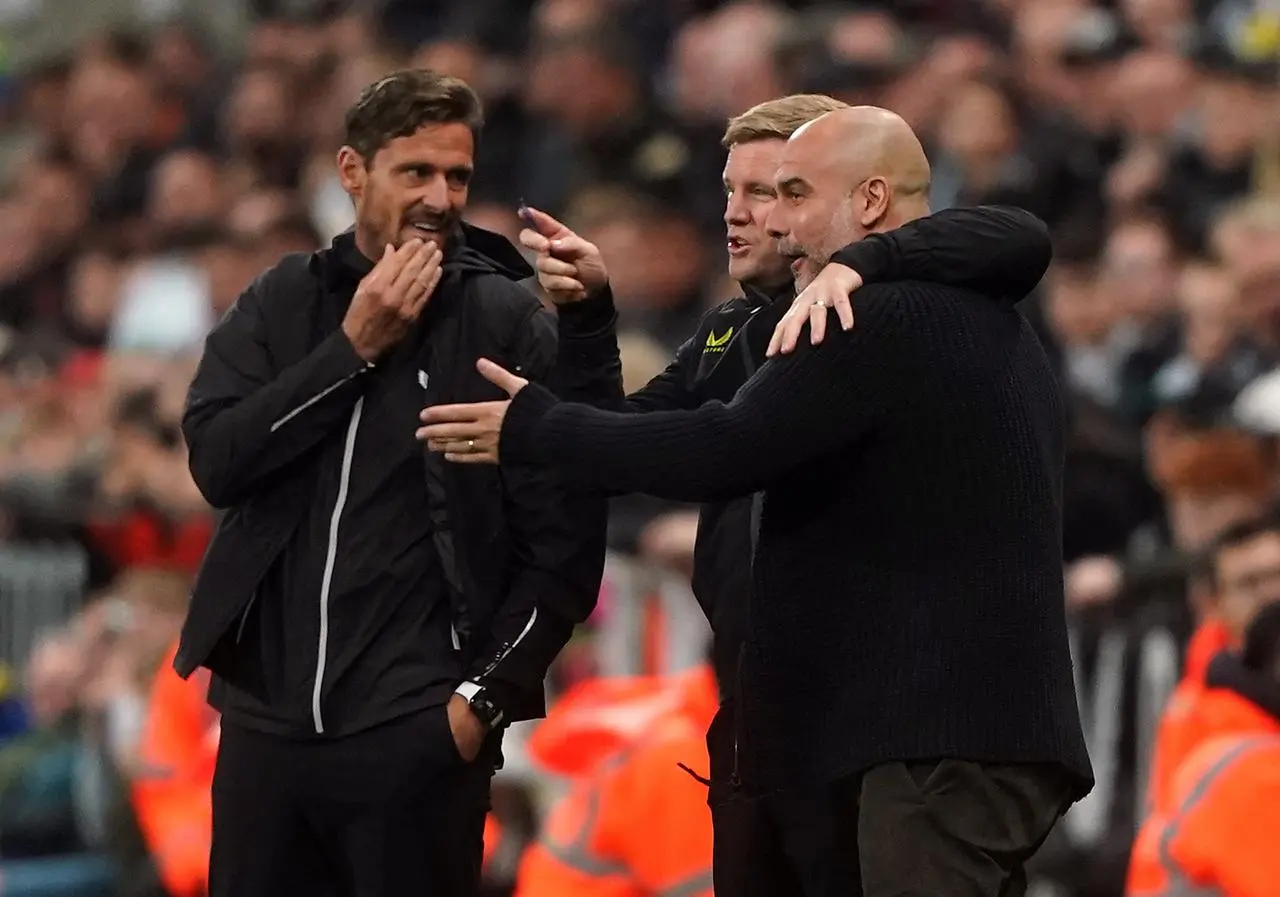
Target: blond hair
[778, 119]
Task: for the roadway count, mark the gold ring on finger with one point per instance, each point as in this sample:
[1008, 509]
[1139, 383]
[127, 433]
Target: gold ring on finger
[471, 445]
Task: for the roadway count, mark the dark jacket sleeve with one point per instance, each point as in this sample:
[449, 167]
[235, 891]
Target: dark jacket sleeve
[781, 418]
[559, 542]
[244, 420]
[999, 251]
[589, 358]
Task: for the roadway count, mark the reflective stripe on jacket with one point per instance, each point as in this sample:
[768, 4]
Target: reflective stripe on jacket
[171, 789]
[636, 824]
[1219, 837]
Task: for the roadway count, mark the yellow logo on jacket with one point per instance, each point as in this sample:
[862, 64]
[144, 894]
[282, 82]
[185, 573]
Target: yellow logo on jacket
[716, 343]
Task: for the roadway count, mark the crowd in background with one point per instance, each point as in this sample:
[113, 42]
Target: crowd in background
[149, 175]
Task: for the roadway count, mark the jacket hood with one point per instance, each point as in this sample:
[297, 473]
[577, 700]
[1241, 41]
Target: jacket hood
[481, 251]
[757, 298]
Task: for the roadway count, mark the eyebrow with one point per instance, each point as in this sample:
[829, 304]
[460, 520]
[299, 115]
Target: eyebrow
[465, 170]
[792, 185]
[751, 185]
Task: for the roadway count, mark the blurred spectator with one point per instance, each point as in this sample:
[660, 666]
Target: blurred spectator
[1213, 828]
[184, 191]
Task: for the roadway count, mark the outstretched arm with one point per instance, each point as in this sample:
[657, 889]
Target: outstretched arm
[794, 409]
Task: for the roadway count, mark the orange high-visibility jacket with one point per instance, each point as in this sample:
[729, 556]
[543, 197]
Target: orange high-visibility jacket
[1220, 834]
[1178, 733]
[171, 791]
[634, 824]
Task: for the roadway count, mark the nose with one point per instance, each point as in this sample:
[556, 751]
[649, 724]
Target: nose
[434, 193]
[736, 210]
[776, 225]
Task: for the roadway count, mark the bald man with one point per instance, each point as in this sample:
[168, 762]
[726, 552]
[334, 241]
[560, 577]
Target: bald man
[907, 645]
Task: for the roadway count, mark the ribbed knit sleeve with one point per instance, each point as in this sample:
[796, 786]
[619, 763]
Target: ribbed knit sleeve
[796, 408]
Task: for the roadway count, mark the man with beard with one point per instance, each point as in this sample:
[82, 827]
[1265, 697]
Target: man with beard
[797, 838]
[373, 621]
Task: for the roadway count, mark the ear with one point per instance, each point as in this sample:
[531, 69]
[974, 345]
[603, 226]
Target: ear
[877, 194]
[352, 171]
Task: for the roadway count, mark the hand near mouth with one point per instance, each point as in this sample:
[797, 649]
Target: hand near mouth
[391, 296]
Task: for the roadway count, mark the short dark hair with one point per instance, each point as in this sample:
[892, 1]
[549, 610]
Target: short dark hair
[404, 101]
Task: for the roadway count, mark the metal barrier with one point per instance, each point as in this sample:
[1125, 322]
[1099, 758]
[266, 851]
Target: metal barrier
[41, 585]
[640, 599]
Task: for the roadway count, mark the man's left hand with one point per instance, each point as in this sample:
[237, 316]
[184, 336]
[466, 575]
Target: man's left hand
[468, 732]
[469, 434]
[830, 289]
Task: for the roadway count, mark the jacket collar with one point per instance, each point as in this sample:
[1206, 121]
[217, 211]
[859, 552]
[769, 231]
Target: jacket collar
[757, 298]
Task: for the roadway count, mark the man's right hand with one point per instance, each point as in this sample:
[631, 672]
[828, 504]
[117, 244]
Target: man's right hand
[569, 267]
[391, 296]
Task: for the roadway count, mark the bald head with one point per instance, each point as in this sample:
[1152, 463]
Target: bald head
[842, 176]
[867, 141]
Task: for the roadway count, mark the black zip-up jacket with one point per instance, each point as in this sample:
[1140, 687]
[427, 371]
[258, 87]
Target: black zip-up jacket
[273, 428]
[998, 251]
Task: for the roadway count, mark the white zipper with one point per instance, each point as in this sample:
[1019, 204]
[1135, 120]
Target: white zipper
[315, 398]
[507, 649]
[244, 617]
[330, 559]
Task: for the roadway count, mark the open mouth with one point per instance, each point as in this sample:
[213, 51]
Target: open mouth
[737, 246]
[797, 263]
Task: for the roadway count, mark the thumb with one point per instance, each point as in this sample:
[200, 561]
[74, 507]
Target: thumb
[545, 224]
[499, 376]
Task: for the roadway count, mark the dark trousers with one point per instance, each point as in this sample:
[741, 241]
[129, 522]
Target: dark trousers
[950, 828]
[795, 843]
[383, 813]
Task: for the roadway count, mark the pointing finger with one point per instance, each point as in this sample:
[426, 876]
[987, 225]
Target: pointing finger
[545, 224]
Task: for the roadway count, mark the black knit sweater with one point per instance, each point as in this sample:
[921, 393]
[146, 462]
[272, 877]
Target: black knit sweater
[908, 575]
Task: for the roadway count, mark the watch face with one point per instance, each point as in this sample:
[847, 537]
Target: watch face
[485, 711]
